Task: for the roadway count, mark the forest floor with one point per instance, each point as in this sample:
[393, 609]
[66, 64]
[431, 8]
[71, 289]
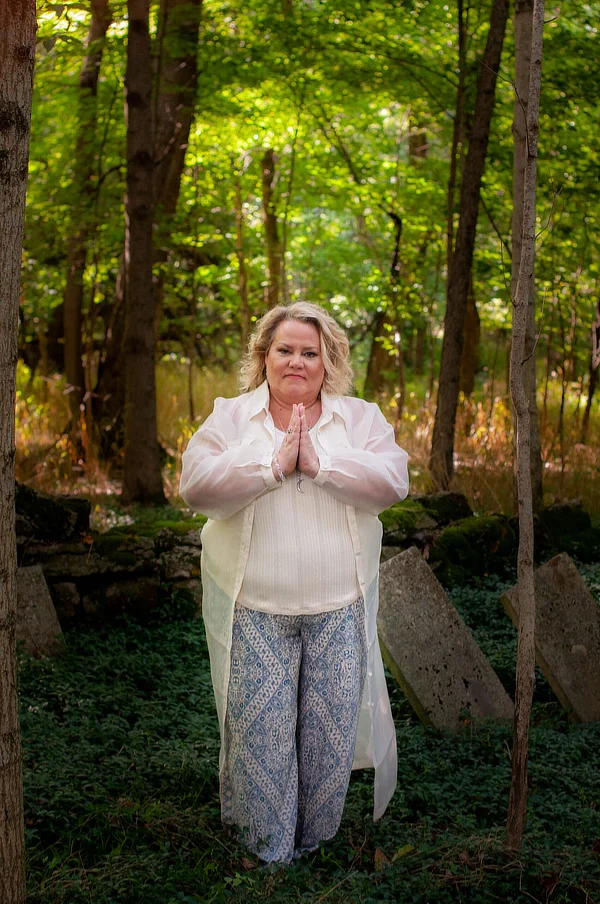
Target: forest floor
[121, 749]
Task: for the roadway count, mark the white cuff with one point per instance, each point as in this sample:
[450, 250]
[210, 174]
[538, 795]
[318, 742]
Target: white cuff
[323, 472]
[270, 479]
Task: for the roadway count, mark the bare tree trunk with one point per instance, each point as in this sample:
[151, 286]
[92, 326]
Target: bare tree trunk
[517, 809]
[380, 357]
[274, 248]
[142, 480]
[469, 362]
[176, 83]
[83, 225]
[172, 112]
[458, 135]
[442, 448]
[522, 24]
[593, 378]
[17, 58]
[241, 258]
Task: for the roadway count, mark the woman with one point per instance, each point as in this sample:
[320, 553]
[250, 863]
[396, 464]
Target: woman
[292, 475]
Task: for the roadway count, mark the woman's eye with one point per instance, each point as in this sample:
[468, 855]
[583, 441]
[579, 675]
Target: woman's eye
[311, 354]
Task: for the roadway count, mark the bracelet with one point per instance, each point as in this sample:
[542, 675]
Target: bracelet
[278, 469]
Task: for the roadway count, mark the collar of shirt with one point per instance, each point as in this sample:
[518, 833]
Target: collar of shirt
[259, 404]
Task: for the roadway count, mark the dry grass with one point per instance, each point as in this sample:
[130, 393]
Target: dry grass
[47, 460]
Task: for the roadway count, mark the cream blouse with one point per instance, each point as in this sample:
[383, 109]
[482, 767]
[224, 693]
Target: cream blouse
[301, 559]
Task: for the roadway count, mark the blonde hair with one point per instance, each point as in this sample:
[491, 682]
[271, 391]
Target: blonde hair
[334, 347]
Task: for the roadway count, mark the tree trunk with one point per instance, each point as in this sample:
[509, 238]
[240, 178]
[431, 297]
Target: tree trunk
[173, 111]
[142, 480]
[517, 809]
[83, 225]
[379, 357]
[108, 401]
[176, 83]
[241, 258]
[442, 449]
[593, 378]
[17, 58]
[274, 249]
[522, 24]
[469, 362]
[458, 135]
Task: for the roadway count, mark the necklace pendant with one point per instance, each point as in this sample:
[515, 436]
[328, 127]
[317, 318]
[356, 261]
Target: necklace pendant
[299, 480]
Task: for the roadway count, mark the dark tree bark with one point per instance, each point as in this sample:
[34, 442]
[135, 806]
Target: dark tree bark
[458, 134]
[241, 258]
[469, 362]
[83, 221]
[172, 112]
[593, 377]
[142, 480]
[17, 58]
[522, 23]
[176, 83]
[442, 450]
[380, 357]
[525, 677]
[273, 242]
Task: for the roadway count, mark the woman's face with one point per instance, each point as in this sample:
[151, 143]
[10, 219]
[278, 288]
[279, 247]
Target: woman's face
[294, 364]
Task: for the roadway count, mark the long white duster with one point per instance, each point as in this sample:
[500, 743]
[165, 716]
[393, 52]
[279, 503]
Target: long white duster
[227, 465]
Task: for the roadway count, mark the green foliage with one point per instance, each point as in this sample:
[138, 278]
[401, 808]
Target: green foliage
[121, 793]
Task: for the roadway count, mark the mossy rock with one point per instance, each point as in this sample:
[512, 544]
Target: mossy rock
[416, 513]
[445, 507]
[473, 546]
[152, 528]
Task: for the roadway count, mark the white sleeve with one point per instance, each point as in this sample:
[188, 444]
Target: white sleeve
[372, 476]
[219, 476]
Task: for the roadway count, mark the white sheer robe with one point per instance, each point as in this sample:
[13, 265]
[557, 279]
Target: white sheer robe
[227, 466]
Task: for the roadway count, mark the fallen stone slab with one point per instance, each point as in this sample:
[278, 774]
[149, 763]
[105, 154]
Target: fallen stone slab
[567, 635]
[37, 622]
[429, 649]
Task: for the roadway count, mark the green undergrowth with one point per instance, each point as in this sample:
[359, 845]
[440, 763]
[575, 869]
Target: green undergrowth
[121, 795]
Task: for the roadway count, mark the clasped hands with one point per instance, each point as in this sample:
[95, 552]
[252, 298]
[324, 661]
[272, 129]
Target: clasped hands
[297, 450]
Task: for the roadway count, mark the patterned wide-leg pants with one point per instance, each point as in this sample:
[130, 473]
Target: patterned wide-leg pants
[292, 712]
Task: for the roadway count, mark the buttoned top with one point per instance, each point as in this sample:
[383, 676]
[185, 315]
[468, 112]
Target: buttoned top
[227, 467]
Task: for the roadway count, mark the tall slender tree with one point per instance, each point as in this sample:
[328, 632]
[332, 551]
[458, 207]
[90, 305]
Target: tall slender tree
[142, 480]
[173, 107]
[522, 23]
[517, 809]
[273, 240]
[84, 189]
[442, 448]
[17, 57]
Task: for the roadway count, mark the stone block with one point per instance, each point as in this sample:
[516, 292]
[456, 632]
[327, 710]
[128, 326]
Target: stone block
[567, 635]
[429, 649]
[37, 622]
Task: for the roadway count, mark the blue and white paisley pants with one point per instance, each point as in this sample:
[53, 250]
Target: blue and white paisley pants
[292, 712]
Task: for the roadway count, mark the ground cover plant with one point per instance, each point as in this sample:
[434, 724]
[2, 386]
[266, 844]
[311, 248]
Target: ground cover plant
[121, 752]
